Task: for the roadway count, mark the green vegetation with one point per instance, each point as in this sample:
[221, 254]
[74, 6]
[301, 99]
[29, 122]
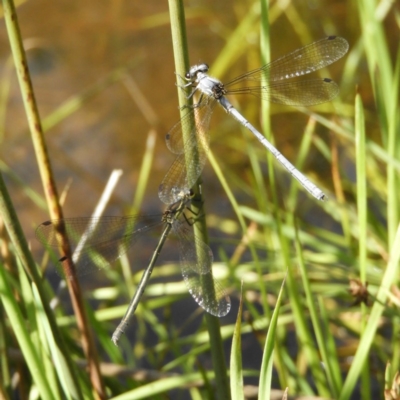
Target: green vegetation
[320, 298]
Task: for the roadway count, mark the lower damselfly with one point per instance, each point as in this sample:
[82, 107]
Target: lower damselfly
[100, 241]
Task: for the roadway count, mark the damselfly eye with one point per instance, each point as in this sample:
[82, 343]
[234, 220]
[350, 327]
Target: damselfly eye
[203, 68]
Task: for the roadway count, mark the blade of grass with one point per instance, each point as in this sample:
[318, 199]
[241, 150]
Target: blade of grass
[362, 224]
[236, 368]
[161, 386]
[329, 352]
[379, 63]
[19, 327]
[393, 150]
[145, 170]
[265, 106]
[5, 370]
[307, 337]
[393, 184]
[302, 331]
[57, 358]
[36, 330]
[267, 361]
[303, 153]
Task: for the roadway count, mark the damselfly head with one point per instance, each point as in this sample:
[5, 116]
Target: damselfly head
[195, 69]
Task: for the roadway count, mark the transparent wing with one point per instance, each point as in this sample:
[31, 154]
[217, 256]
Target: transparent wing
[181, 177]
[294, 93]
[95, 242]
[300, 62]
[201, 115]
[174, 138]
[189, 164]
[196, 263]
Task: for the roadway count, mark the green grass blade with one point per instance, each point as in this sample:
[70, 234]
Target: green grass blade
[19, 327]
[267, 361]
[362, 221]
[150, 390]
[361, 185]
[236, 368]
[393, 150]
[60, 364]
[307, 336]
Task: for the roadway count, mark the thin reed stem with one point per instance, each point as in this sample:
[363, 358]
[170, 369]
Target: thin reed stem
[177, 16]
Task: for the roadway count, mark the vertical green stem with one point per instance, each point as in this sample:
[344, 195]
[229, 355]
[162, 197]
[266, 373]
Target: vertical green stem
[178, 28]
[11, 222]
[392, 185]
[362, 224]
[361, 186]
[179, 44]
[36, 130]
[265, 59]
